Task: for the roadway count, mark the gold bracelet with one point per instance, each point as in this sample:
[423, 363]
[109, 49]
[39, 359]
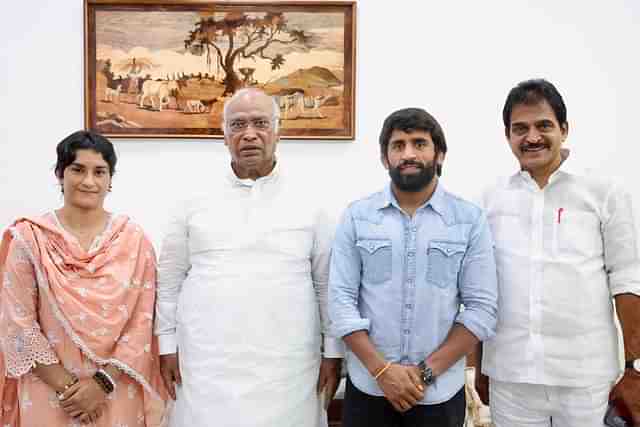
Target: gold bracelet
[74, 380]
[381, 371]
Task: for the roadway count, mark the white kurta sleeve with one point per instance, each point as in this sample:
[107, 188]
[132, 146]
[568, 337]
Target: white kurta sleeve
[619, 235]
[320, 256]
[173, 267]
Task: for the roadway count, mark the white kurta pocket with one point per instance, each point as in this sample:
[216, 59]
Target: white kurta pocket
[578, 233]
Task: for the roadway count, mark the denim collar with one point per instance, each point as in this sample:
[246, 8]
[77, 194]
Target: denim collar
[437, 200]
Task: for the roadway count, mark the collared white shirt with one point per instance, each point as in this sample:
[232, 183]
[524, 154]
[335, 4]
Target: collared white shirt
[562, 253]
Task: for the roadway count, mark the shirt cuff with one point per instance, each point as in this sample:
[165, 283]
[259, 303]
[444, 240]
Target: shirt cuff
[350, 327]
[482, 327]
[626, 288]
[333, 348]
[167, 344]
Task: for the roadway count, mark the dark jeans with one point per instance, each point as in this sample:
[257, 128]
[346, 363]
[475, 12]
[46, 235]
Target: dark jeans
[363, 410]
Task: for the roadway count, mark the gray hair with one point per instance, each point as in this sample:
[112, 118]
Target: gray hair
[245, 91]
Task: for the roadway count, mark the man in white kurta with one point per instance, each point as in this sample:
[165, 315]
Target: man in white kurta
[566, 249]
[242, 291]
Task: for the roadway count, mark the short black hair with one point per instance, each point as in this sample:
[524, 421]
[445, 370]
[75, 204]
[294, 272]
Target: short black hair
[409, 120]
[532, 92]
[84, 140]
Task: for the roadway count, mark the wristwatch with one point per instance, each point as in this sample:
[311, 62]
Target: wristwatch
[427, 373]
[633, 364]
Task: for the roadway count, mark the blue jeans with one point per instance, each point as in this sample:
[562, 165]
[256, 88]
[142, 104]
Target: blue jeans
[364, 410]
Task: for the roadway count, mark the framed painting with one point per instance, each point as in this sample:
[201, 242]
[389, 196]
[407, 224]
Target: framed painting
[164, 68]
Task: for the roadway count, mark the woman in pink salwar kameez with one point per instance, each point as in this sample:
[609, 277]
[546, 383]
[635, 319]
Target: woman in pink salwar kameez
[77, 296]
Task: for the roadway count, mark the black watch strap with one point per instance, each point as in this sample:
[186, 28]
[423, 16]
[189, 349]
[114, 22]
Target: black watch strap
[633, 364]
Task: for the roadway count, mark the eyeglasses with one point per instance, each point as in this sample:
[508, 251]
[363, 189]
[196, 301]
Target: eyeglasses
[238, 125]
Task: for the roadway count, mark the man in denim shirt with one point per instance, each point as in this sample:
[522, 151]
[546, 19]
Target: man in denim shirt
[404, 261]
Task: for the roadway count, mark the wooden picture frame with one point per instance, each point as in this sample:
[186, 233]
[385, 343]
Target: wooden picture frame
[163, 68]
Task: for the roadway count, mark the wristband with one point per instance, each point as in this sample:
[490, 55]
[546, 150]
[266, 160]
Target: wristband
[104, 381]
[109, 377]
[381, 371]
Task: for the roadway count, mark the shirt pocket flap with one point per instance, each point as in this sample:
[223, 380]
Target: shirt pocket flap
[372, 245]
[444, 259]
[447, 248]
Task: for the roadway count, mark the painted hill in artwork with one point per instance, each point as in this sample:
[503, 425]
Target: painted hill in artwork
[318, 77]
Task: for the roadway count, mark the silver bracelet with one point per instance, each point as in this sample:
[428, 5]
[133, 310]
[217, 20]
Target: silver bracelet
[109, 377]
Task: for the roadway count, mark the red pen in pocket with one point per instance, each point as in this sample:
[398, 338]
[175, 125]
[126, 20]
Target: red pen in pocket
[560, 210]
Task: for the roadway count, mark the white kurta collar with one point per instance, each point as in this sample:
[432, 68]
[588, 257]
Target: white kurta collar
[248, 182]
[562, 171]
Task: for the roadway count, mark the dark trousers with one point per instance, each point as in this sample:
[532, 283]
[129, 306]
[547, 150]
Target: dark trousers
[364, 410]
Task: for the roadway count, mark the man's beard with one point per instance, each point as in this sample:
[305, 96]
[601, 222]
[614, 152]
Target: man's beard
[416, 181]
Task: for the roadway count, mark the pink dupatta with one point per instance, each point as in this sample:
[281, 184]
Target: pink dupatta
[104, 299]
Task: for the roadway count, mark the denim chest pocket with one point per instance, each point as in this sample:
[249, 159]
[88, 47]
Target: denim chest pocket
[376, 259]
[444, 260]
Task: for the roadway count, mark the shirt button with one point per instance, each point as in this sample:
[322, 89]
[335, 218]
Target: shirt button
[414, 229]
[410, 254]
[409, 306]
[406, 331]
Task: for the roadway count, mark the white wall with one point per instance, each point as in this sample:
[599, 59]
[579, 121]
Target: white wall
[457, 59]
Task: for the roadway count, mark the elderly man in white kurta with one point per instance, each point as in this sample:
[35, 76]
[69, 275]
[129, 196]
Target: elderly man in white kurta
[242, 291]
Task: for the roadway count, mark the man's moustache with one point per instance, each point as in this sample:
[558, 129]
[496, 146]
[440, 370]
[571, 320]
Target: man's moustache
[410, 163]
[534, 145]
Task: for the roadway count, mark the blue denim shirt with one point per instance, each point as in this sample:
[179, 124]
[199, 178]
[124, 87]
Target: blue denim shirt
[404, 279]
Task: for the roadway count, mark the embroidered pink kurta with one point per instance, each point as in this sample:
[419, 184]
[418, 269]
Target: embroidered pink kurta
[84, 309]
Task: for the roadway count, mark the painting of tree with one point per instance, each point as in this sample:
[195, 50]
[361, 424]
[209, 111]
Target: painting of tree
[237, 35]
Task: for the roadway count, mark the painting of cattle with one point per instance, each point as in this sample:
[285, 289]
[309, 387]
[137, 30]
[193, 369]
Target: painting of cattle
[157, 69]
